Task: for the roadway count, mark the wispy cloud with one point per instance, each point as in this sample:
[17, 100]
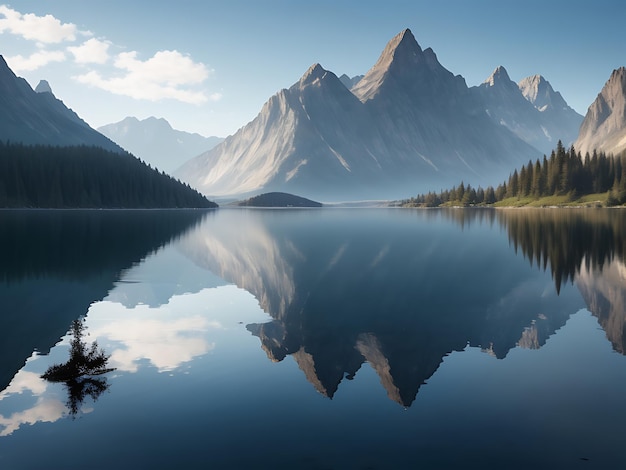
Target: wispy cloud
[167, 74]
[44, 29]
[36, 60]
[92, 51]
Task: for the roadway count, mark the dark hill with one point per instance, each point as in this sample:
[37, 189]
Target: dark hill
[279, 200]
[88, 177]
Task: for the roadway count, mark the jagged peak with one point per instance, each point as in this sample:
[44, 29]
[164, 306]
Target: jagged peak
[401, 56]
[533, 82]
[402, 44]
[499, 75]
[618, 75]
[315, 72]
[43, 87]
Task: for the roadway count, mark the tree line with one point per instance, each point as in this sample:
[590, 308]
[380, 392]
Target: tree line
[87, 177]
[565, 173]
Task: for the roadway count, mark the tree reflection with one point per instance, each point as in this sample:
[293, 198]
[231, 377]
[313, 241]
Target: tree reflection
[79, 373]
[566, 239]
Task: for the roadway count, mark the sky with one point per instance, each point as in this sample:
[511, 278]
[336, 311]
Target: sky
[208, 66]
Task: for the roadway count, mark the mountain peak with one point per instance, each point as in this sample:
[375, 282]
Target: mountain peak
[43, 87]
[402, 59]
[315, 72]
[499, 76]
[540, 93]
[402, 47]
[617, 79]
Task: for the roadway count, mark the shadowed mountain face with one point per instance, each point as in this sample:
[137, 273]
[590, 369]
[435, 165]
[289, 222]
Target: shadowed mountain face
[407, 124]
[56, 263]
[397, 289]
[32, 117]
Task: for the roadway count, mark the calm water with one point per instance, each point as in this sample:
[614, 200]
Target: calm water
[318, 339]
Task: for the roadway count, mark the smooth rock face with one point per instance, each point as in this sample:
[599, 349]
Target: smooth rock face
[38, 117]
[409, 125]
[155, 142]
[604, 127]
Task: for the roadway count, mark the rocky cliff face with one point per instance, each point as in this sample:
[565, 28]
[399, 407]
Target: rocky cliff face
[407, 125]
[38, 117]
[604, 127]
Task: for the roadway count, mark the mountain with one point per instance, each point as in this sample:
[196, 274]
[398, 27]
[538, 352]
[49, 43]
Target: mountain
[408, 124]
[350, 82]
[32, 117]
[532, 110]
[155, 142]
[604, 127]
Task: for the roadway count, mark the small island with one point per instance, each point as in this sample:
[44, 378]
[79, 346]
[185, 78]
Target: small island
[277, 199]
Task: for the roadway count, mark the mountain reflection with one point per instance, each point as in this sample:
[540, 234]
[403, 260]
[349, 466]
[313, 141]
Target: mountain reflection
[398, 289]
[56, 263]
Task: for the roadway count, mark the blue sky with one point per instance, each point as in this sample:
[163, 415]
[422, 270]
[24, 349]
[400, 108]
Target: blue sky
[208, 66]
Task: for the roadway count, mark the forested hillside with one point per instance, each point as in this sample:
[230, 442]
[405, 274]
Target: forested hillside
[566, 174]
[91, 177]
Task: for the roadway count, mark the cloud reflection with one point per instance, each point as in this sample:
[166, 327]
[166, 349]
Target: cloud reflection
[47, 408]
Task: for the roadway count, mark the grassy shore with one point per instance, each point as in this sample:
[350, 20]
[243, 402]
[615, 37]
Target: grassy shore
[588, 200]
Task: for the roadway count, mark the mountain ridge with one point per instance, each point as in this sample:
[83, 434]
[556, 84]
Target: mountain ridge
[31, 117]
[156, 142]
[409, 122]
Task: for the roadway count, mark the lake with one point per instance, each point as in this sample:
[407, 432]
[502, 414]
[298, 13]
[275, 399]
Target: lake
[323, 338]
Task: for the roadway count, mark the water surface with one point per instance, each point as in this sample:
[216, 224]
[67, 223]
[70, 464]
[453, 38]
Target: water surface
[327, 338]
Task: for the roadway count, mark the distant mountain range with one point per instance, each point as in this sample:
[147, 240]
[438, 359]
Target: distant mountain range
[407, 125]
[532, 110]
[37, 117]
[155, 142]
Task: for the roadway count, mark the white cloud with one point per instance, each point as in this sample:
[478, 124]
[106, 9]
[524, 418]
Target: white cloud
[92, 51]
[166, 75]
[19, 63]
[44, 29]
